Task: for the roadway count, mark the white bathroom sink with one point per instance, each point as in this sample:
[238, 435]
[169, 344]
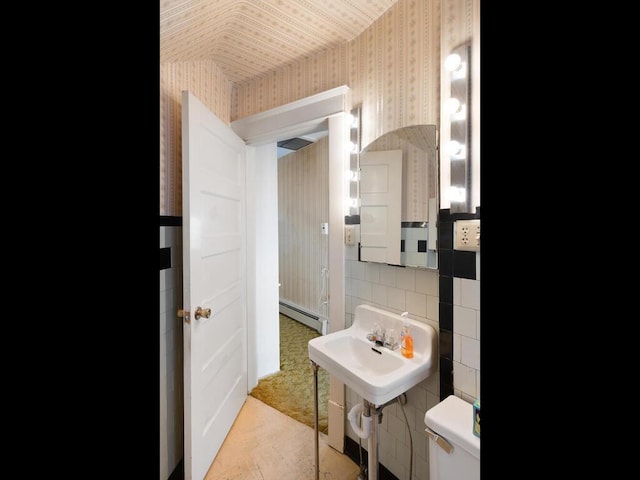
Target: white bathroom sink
[378, 374]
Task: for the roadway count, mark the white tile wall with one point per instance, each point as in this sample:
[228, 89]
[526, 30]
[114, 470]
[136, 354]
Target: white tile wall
[470, 293]
[470, 352]
[416, 290]
[388, 275]
[433, 310]
[416, 304]
[426, 282]
[464, 379]
[465, 321]
[396, 289]
[372, 272]
[466, 336]
[171, 381]
[396, 299]
[406, 279]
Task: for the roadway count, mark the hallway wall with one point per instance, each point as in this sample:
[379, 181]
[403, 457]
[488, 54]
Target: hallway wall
[303, 204]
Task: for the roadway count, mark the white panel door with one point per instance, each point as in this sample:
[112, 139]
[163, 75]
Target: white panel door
[380, 206]
[214, 257]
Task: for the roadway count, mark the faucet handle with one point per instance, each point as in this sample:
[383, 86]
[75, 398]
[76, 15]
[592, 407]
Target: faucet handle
[375, 334]
[390, 340]
[378, 331]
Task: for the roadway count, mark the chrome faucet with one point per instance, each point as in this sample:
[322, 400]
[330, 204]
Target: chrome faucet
[382, 338]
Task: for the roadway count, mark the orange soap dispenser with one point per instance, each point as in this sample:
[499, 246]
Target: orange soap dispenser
[406, 338]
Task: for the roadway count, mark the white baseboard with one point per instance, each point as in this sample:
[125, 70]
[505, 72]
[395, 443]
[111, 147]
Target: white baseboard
[302, 315]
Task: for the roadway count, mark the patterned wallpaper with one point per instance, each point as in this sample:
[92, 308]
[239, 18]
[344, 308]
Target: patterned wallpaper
[294, 82]
[392, 69]
[207, 83]
[303, 204]
[458, 17]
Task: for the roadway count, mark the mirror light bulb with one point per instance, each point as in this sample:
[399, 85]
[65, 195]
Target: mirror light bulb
[452, 62]
[457, 111]
[460, 115]
[453, 148]
[351, 176]
[452, 105]
[351, 203]
[457, 194]
[460, 72]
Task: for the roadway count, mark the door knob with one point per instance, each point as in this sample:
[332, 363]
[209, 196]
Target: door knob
[200, 312]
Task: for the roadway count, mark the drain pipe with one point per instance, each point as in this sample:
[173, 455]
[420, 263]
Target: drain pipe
[370, 418]
[357, 413]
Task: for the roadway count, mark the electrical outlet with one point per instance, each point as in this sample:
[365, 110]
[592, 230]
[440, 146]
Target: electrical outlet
[467, 235]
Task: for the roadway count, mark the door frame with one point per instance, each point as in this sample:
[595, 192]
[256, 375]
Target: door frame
[325, 110]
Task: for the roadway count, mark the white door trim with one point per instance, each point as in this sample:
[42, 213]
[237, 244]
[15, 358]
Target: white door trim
[326, 110]
[293, 119]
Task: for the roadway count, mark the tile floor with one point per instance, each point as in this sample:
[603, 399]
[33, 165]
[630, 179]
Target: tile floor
[264, 444]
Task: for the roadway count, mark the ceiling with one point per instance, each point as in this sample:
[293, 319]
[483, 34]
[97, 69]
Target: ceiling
[248, 38]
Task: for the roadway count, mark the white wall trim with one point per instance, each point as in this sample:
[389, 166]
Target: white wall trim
[261, 132]
[293, 119]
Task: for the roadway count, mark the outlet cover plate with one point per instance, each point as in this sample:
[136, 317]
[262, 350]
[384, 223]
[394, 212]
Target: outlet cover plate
[466, 235]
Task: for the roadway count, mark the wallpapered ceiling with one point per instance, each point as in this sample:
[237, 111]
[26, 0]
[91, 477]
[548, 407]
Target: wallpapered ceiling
[247, 38]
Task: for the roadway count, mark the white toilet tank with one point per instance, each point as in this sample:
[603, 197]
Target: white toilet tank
[454, 451]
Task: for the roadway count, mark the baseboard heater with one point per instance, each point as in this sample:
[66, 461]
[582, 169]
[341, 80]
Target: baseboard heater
[317, 322]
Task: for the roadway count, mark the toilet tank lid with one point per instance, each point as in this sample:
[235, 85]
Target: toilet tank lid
[452, 419]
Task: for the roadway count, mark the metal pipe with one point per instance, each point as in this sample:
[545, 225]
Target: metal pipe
[315, 399]
[372, 440]
[371, 410]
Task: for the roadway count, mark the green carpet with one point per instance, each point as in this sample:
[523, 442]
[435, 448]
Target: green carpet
[291, 389]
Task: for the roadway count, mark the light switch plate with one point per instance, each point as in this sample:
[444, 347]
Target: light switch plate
[349, 235]
[466, 235]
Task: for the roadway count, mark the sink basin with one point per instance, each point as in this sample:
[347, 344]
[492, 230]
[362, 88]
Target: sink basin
[376, 373]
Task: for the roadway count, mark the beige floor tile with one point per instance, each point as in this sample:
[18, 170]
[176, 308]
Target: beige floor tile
[264, 444]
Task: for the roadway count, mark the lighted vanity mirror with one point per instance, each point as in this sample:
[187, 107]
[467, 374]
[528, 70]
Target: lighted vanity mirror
[415, 188]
